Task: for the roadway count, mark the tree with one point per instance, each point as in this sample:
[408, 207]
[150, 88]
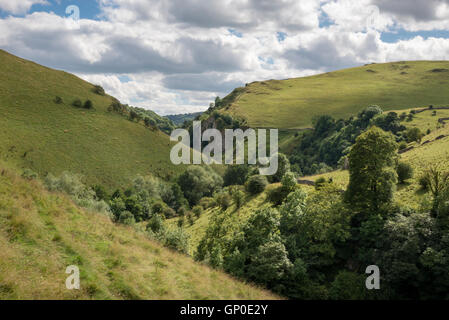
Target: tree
[99, 90]
[257, 184]
[198, 182]
[372, 163]
[404, 171]
[283, 168]
[133, 115]
[414, 134]
[88, 104]
[236, 175]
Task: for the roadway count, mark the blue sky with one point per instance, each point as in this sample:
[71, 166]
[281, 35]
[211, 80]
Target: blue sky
[176, 56]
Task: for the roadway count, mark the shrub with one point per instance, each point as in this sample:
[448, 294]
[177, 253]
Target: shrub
[414, 134]
[190, 219]
[181, 221]
[257, 184]
[176, 239]
[224, 200]
[402, 145]
[424, 182]
[100, 192]
[236, 175]
[207, 202]
[156, 224]
[73, 186]
[29, 174]
[277, 196]
[99, 90]
[404, 171]
[88, 104]
[239, 197]
[197, 211]
[77, 103]
[58, 100]
[133, 115]
[169, 213]
[319, 183]
[127, 218]
[197, 182]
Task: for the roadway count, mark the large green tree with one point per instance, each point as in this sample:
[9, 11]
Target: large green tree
[373, 177]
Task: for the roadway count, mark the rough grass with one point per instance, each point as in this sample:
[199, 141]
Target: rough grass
[37, 133]
[293, 103]
[42, 233]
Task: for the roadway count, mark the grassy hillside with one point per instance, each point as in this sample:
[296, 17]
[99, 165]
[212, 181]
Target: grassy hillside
[293, 103]
[235, 217]
[42, 233]
[37, 133]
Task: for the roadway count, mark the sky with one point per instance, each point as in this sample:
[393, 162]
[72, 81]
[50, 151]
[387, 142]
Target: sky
[176, 56]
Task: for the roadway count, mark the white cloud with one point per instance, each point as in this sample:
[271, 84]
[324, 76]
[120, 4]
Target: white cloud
[19, 6]
[178, 55]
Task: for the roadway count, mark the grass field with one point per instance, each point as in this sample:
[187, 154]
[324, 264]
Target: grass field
[39, 134]
[42, 233]
[293, 103]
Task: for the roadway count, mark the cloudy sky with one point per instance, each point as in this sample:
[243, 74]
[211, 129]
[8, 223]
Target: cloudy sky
[176, 56]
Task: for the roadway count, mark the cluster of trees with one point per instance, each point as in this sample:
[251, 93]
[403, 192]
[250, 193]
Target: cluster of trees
[327, 145]
[149, 118]
[318, 245]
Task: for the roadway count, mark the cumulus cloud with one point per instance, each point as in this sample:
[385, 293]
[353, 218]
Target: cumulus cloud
[178, 55]
[19, 6]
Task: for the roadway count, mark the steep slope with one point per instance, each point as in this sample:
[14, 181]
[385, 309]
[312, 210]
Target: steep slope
[293, 103]
[42, 233]
[37, 133]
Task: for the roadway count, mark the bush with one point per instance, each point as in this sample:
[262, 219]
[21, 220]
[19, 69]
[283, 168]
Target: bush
[100, 192]
[176, 240]
[169, 213]
[319, 183]
[197, 182]
[236, 175]
[402, 145]
[404, 171]
[72, 185]
[208, 202]
[424, 182]
[58, 100]
[88, 105]
[239, 197]
[99, 90]
[156, 224]
[127, 218]
[197, 211]
[257, 184]
[224, 200]
[77, 103]
[29, 174]
[414, 134]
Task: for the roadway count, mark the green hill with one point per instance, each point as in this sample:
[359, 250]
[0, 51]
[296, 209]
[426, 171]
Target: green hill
[293, 103]
[41, 233]
[40, 134]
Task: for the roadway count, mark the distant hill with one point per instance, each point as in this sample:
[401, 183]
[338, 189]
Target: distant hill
[179, 119]
[46, 135]
[293, 103]
[42, 233]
